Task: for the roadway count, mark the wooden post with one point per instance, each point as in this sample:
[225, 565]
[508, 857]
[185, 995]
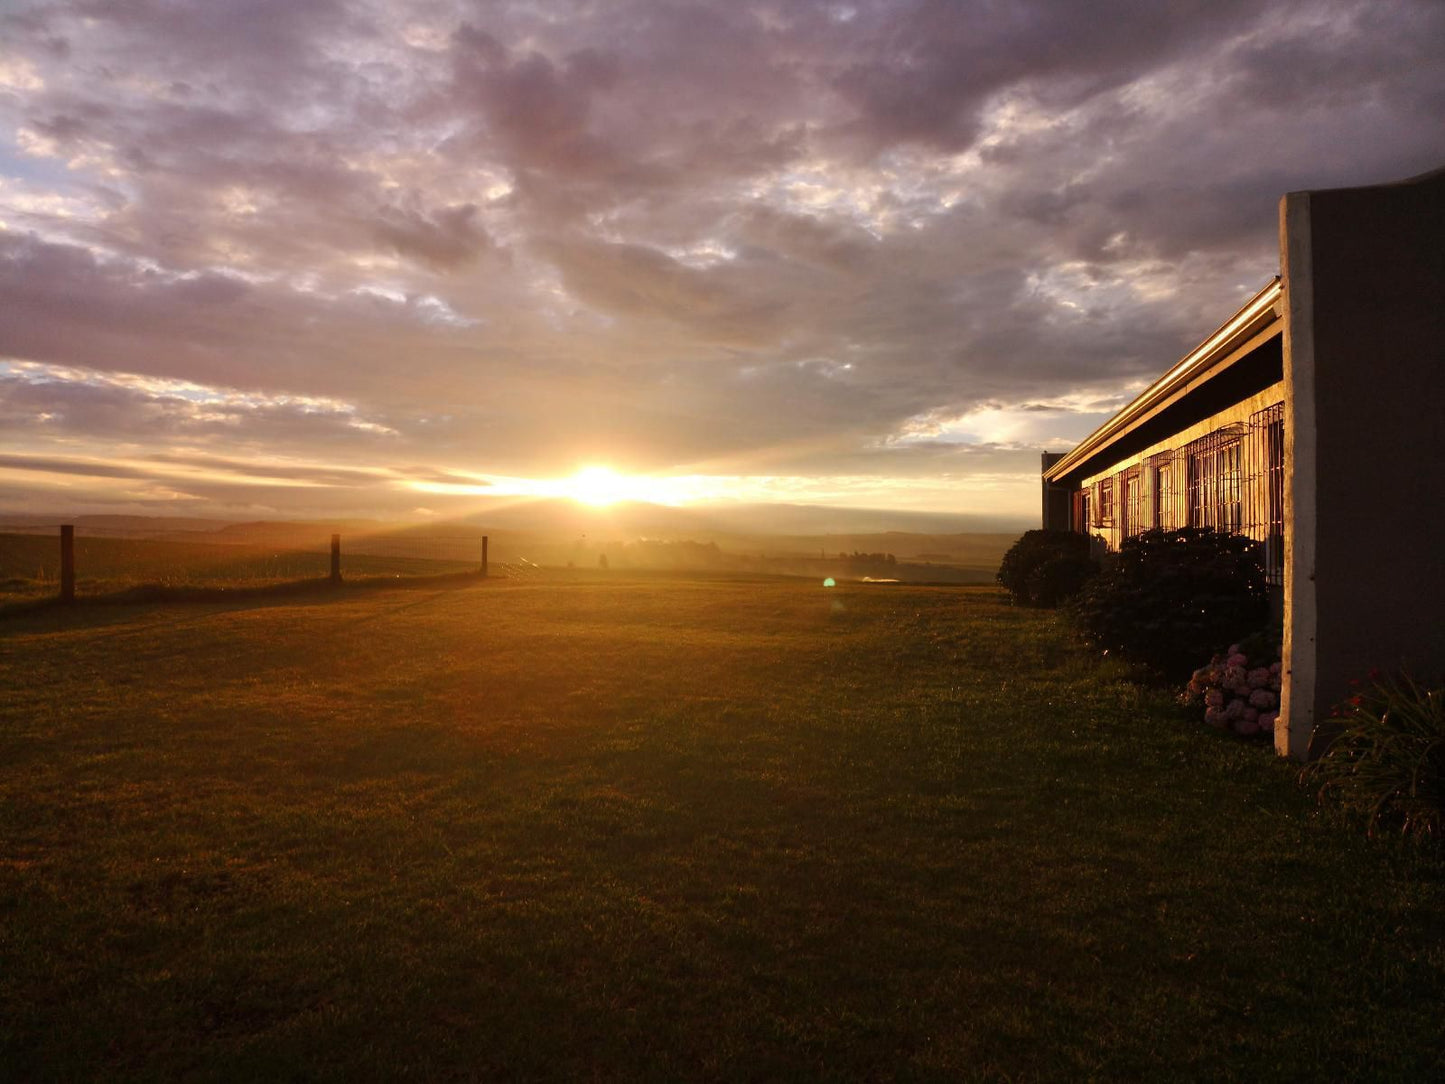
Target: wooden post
[67, 563]
[336, 558]
[484, 555]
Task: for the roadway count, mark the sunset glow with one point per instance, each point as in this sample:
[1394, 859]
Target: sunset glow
[594, 486]
[264, 260]
[601, 488]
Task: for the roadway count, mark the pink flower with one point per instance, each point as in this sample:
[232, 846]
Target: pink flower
[1236, 659]
[1258, 678]
[1214, 698]
[1267, 719]
[1274, 668]
[1233, 649]
[1234, 710]
[1214, 717]
[1250, 715]
[1234, 675]
[1262, 699]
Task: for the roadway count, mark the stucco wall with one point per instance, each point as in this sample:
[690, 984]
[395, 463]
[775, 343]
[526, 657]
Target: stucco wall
[1364, 273]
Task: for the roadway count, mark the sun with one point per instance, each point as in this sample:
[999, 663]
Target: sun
[599, 487]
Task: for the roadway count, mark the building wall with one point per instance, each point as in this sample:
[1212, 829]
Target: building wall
[1238, 413]
[1056, 498]
[1364, 276]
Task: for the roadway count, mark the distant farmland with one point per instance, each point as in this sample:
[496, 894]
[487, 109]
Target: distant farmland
[30, 563]
[247, 555]
[660, 827]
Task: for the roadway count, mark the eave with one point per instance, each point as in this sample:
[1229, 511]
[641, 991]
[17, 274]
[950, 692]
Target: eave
[1258, 321]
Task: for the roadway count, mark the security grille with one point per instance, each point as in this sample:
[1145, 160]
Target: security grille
[1131, 500]
[1215, 480]
[1159, 473]
[1264, 487]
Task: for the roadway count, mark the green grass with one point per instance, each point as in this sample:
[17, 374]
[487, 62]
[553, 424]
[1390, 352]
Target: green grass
[30, 565]
[628, 828]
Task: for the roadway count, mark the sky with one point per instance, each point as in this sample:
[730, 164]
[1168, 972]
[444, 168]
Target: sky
[266, 258]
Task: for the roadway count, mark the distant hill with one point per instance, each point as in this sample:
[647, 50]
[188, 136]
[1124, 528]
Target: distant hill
[112, 524]
[802, 519]
[565, 516]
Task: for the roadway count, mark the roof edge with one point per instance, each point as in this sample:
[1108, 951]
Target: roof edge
[1258, 312]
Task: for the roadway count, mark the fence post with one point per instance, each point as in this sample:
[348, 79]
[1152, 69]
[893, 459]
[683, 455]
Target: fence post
[336, 558]
[67, 563]
[484, 556]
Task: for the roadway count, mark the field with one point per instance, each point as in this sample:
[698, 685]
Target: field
[30, 564]
[111, 560]
[667, 828]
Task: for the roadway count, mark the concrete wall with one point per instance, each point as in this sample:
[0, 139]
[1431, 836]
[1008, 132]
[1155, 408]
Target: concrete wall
[1056, 498]
[1364, 361]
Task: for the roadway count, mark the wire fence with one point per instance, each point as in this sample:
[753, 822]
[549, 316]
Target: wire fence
[57, 560]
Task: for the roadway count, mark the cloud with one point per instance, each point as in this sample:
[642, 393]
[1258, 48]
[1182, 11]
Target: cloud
[444, 240]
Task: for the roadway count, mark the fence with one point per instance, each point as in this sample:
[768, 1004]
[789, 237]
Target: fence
[59, 561]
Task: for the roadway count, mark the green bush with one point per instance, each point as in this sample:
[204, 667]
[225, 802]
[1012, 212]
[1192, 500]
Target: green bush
[1385, 762]
[1175, 596]
[1266, 644]
[1045, 568]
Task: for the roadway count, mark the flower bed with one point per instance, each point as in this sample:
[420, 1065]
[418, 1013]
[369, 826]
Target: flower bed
[1237, 693]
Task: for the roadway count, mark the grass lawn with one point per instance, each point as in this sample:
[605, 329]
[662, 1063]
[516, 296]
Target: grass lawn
[661, 829]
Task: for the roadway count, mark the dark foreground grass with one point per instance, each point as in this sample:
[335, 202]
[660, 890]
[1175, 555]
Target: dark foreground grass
[640, 829]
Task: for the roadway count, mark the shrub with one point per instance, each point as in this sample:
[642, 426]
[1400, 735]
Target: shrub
[1266, 645]
[1386, 759]
[1174, 596]
[1059, 579]
[1045, 568]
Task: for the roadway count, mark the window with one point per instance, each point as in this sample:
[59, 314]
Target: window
[1159, 469]
[1079, 520]
[1264, 487]
[1131, 500]
[1104, 513]
[1214, 468]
